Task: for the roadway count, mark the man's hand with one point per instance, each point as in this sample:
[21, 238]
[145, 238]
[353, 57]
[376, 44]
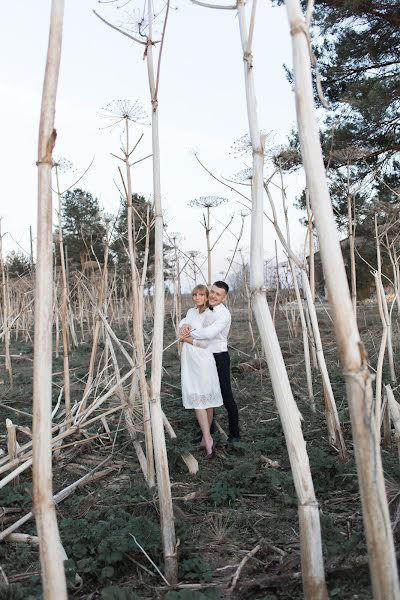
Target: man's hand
[184, 331]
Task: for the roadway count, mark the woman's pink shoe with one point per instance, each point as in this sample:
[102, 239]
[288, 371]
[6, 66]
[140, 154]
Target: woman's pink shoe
[211, 455]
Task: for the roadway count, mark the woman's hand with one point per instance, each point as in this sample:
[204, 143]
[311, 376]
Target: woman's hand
[188, 339]
[184, 331]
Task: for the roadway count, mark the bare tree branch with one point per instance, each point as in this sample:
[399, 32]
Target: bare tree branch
[218, 6]
[120, 30]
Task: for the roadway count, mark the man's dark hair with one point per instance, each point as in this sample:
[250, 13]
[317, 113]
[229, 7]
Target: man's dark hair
[222, 284]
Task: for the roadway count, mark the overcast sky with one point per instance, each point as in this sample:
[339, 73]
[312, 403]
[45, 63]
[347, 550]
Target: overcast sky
[202, 107]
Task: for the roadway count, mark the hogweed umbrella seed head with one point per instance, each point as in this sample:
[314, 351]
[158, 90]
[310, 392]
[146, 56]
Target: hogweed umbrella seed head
[63, 164]
[207, 201]
[119, 110]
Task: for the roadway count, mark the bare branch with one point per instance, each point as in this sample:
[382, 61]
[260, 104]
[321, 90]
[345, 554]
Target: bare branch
[251, 28]
[218, 6]
[120, 30]
[79, 178]
[140, 160]
[161, 49]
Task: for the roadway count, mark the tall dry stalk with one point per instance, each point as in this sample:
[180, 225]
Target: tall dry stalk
[331, 413]
[351, 231]
[310, 532]
[388, 320]
[6, 312]
[306, 347]
[177, 288]
[376, 516]
[64, 304]
[160, 452]
[208, 202]
[51, 559]
[137, 307]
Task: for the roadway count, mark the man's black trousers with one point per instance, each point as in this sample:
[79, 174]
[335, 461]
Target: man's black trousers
[223, 362]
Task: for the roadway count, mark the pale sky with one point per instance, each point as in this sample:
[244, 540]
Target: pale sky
[201, 100]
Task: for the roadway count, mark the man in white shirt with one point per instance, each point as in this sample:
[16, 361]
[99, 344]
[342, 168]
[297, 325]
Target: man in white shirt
[217, 334]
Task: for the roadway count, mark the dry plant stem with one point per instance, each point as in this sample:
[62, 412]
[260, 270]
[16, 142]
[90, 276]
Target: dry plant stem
[187, 458]
[145, 265]
[331, 413]
[311, 272]
[382, 561]
[389, 333]
[127, 410]
[311, 337]
[379, 367]
[57, 498]
[64, 306]
[65, 433]
[306, 347]
[352, 255]
[248, 298]
[95, 342]
[160, 451]
[12, 443]
[51, 559]
[23, 538]
[137, 319]
[177, 293]
[311, 245]
[6, 310]
[332, 417]
[311, 554]
[395, 414]
[208, 230]
[384, 306]
[277, 283]
[242, 563]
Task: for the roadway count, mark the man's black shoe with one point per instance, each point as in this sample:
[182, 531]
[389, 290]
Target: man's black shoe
[232, 440]
[196, 440]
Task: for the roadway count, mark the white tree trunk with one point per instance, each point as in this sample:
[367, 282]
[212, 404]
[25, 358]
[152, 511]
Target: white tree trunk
[310, 533]
[160, 451]
[382, 558]
[51, 559]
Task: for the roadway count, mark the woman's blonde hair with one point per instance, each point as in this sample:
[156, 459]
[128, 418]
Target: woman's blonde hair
[201, 288]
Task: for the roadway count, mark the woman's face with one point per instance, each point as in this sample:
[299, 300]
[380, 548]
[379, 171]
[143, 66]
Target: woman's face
[199, 298]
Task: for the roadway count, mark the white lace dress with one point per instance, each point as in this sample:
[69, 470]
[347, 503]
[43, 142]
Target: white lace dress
[199, 377]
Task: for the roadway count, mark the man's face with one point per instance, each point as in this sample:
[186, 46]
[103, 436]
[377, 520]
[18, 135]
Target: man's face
[217, 295]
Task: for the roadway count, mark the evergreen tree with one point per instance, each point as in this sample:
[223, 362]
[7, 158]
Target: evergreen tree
[119, 244]
[17, 263]
[82, 226]
[143, 213]
[357, 45]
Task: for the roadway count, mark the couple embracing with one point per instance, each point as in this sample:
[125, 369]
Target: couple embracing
[205, 368]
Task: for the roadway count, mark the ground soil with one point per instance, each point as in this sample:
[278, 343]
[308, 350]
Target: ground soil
[234, 503]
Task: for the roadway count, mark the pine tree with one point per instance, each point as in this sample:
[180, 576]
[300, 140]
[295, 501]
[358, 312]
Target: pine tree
[83, 227]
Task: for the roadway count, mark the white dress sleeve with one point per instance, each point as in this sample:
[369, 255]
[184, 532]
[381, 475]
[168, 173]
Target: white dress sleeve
[206, 321]
[183, 321]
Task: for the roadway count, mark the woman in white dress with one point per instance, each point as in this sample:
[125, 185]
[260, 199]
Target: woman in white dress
[200, 384]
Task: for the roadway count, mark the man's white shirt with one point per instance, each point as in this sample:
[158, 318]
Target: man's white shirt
[217, 333]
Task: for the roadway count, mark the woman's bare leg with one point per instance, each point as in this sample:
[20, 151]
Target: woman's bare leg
[210, 415]
[202, 419]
